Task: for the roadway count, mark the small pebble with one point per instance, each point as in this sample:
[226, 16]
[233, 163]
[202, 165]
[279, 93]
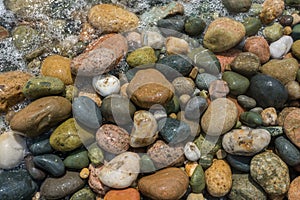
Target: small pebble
[106, 85]
[191, 151]
[218, 89]
[84, 173]
[269, 116]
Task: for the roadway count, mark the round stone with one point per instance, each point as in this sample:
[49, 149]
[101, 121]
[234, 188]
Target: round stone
[50, 163]
[84, 193]
[41, 147]
[182, 64]
[296, 48]
[296, 32]
[246, 102]
[246, 63]
[25, 37]
[237, 83]
[125, 194]
[142, 56]
[194, 26]
[293, 88]
[218, 89]
[106, 85]
[223, 33]
[251, 119]
[77, 160]
[267, 91]
[237, 6]
[197, 181]
[172, 26]
[286, 20]
[271, 10]
[273, 32]
[294, 192]
[191, 151]
[252, 25]
[281, 47]
[183, 85]
[176, 45]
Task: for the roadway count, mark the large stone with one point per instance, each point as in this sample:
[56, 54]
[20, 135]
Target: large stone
[11, 84]
[166, 184]
[220, 116]
[223, 34]
[149, 87]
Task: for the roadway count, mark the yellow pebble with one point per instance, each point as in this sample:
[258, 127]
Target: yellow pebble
[84, 173]
[193, 74]
[287, 30]
[173, 115]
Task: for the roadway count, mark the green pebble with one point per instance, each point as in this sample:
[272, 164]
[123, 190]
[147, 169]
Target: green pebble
[198, 180]
[194, 26]
[141, 56]
[24, 37]
[95, 155]
[252, 25]
[147, 164]
[77, 160]
[237, 83]
[206, 161]
[251, 119]
[84, 194]
[37, 87]
[273, 32]
[237, 6]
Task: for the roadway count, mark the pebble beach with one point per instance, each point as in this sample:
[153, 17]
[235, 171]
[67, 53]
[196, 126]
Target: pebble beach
[149, 100]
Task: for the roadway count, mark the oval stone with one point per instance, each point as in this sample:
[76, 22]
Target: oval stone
[35, 173]
[40, 115]
[121, 171]
[291, 126]
[246, 63]
[87, 113]
[246, 142]
[237, 6]
[112, 138]
[141, 56]
[267, 91]
[204, 80]
[197, 181]
[50, 163]
[294, 192]
[17, 185]
[287, 151]
[213, 122]
[168, 184]
[237, 83]
[57, 188]
[77, 160]
[275, 183]
[41, 147]
[37, 87]
[251, 119]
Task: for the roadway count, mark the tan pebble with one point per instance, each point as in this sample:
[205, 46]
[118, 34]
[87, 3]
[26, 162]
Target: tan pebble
[190, 167]
[59, 67]
[84, 173]
[269, 116]
[296, 19]
[282, 115]
[293, 88]
[193, 74]
[291, 126]
[183, 99]
[271, 10]
[173, 115]
[3, 33]
[218, 89]
[287, 30]
[177, 46]
[194, 196]
[294, 190]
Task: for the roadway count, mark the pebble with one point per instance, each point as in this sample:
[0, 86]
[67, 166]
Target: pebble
[222, 34]
[195, 107]
[37, 87]
[215, 124]
[244, 187]
[218, 178]
[143, 120]
[41, 147]
[153, 39]
[121, 171]
[95, 154]
[296, 32]
[287, 151]
[106, 85]
[134, 40]
[112, 138]
[281, 47]
[100, 56]
[246, 142]
[218, 89]
[176, 45]
[267, 91]
[273, 32]
[246, 102]
[87, 113]
[237, 83]
[59, 67]
[41, 115]
[11, 84]
[294, 192]
[57, 188]
[240, 163]
[95, 184]
[193, 124]
[141, 56]
[194, 26]
[168, 184]
[164, 155]
[293, 88]
[246, 63]
[284, 112]
[20, 186]
[291, 126]
[149, 87]
[50, 163]
[251, 119]
[117, 109]
[171, 26]
[77, 160]
[3, 33]
[237, 7]
[296, 48]
[25, 37]
[191, 151]
[259, 46]
[275, 183]
[147, 164]
[84, 193]
[197, 180]
[109, 18]
[35, 173]
[252, 25]
[203, 80]
[183, 85]
[225, 58]
[271, 10]
[286, 20]
[205, 59]
[269, 116]
[12, 148]
[125, 194]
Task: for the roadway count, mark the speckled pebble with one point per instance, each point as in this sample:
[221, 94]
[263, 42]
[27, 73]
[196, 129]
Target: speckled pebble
[259, 46]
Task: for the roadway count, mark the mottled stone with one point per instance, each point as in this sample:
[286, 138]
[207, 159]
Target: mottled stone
[246, 63]
[193, 124]
[291, 126]
[25, 37]
[246, 142]
[282, 115]
[95, 184]
[259, 46]
[251, 119]
[271, 173]
[41, 115]
[252, 25]
[245, 188]
[109, 18]
[296, 48]
[85, 193]
[195, 107]
[153, 39]
[284, 70]
[59, 67]
[218, 178]
[273, 32]
[191, 151]
[223, 33]
[167, 184]
[77, 160]
[197, 181]
[293, 88]
[11, 84]
[171, 26]
[271, 10]
[204, 80]
[194, 26]
[183, 85]
[269, 116]
[215, 124]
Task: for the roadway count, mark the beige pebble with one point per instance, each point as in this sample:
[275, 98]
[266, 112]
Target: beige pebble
[183, 99]
[287, 30]
[123, 90]
[296, 19]
[293, 88]
[177, 46]
[269, 116]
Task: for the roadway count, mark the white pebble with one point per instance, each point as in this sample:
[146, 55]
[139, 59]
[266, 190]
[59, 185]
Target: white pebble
[191, 151]
[12, 150]
[106, 85]
[281, 47]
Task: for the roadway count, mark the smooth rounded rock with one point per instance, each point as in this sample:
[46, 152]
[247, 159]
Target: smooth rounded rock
[204, 80]
[281, 47]
[172, 26]
[125, 194]
[84, 193]
[271, 9]
[106, 85]
[41, 115]
[246, 142]
[35, 173]
[183, 85]
[296, 32]
[167, 184]
[252, 25]
[180, 63]
[215, 124]
[191, 151]
[195, 107]
[197, 181]
[287, 151]
[296, 48]
[24, 37]
[251, 119]
[237, 83]
[293, 88]
[273, 32]
[246, 102]
[259, 46]
[291, 126]
[237, 6]
[121, 171]
[77, 160]
[240, 163]
[147, 164]
[223, 33]
[194, 26]
[246, 63]
[41, 147]
[50, 163]
[176, 45]
[218, 89]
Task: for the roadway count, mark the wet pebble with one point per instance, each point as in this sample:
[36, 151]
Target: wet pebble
[269, 116]
[293, 88]
[294, 192]
[246, 102]
[183, 85]
[125, 194]
[237, 83]
[273, 32]
[41, 147]
[240, 163]
[237, 7]
[252, 25]
[191, 151]
[141, 56]
[296, 48]
[287, 151]
[218, 89]
[84, 193]
[77, 160]
[153, 39]
[35, 173]
[197, 180]
[50, 163]
[95, 184]
[194, 26]
[271, 10]
[251, 119]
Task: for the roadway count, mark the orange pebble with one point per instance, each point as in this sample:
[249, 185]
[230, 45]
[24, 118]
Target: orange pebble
[84, 173]
[126, 194]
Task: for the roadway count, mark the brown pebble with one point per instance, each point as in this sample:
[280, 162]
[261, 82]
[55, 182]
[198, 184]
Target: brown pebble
[282, 115]
[259, 46]
[287, 30]
[3, 33]
[291, 126]
[294, 190]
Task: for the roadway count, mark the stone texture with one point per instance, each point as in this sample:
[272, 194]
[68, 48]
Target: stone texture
[259, 46]
[141, 56]
[223, 34]
[294, 191]
[95, 184]
[246, 63]
[291, 126]
[125, 194]
[271, 10]
[11, 84]
[166, 184]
